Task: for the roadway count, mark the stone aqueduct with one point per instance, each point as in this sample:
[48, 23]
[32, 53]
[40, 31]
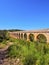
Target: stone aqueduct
[20, 34]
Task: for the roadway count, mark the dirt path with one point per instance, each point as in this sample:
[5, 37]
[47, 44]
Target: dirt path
[3, 54]
[4, 60]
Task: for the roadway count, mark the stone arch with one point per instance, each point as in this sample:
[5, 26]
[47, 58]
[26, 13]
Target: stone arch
[31, 37]
[17, 35]
[21, 35]
[25, 36]
[41, 38]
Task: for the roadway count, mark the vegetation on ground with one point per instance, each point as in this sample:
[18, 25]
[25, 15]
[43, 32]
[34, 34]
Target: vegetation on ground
[28, 52]
[4, 35]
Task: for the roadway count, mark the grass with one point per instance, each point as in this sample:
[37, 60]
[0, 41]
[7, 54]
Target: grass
[31, 53]
[2, 46]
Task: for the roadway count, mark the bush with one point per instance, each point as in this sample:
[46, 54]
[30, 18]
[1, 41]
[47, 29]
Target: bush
[30, 52]
[41, 38]
[14, 51]
[4, 35]
[30, 60]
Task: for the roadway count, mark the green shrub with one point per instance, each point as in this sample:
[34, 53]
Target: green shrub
[30, 53]
[14, 51]
[30, 60]
[4, 35]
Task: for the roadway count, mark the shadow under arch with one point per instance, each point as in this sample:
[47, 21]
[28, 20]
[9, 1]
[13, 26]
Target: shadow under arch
[31, 37]
[25, 36]
[41, 38]
[21, 35]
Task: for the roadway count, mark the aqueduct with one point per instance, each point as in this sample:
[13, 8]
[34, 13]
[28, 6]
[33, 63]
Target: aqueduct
[25, 34]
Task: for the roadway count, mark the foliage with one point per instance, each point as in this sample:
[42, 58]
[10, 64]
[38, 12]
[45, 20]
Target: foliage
[41, 38]
[29, 60]
[13, 30]
[4, 35]
[31, 53]
[2, 46]
[14, 51]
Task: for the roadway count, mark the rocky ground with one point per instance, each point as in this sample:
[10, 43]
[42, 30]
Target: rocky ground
[3, 53]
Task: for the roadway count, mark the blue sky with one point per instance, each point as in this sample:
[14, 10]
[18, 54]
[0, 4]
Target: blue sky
[24, 14]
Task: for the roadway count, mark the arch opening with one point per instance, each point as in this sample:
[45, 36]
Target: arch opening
[25, 36]
[41, 38]
[31, 37]
[21, 35]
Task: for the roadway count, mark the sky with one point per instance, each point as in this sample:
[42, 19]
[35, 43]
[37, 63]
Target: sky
[24, 14]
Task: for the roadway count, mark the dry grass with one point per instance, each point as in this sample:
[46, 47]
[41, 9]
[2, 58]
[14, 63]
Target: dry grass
[2, 45]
